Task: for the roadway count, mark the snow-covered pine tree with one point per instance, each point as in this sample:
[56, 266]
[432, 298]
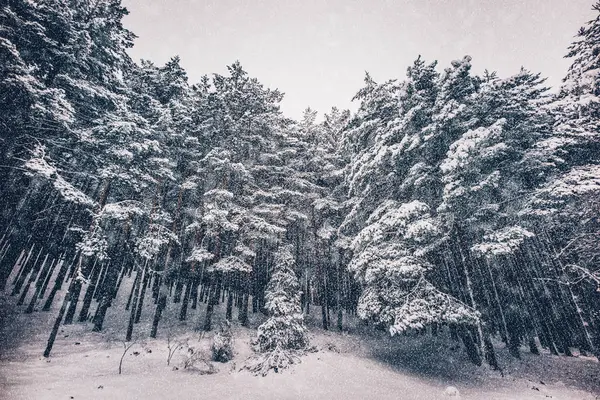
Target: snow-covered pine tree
[283, 337]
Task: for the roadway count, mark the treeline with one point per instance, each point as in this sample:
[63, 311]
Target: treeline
[447, 199]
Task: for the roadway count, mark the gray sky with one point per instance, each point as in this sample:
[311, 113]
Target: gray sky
[317, 51]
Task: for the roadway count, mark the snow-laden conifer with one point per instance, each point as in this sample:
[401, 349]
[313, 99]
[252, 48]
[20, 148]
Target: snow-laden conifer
[283, 337]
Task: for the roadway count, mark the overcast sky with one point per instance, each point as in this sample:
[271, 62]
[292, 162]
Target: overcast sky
[317, 51]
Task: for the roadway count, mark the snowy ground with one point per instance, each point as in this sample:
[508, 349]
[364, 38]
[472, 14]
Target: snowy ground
[360, 365]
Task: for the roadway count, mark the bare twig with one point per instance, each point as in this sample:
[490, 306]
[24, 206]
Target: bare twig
[126, 347]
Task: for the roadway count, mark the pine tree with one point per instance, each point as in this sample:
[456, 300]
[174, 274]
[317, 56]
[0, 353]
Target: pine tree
[283, 336]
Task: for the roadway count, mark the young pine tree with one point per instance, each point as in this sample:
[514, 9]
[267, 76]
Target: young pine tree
[283, 336]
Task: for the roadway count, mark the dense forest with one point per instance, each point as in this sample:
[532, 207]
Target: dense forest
[448, 201]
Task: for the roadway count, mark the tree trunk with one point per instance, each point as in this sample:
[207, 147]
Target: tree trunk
[103, 305]
[56, 325]
[130, 298]
[533, 346]
[18, 266]
[40, 280]
[490, 354]
[185, 302]
[338, 297]
[229, 311]
[243, 316]
[49, 275]
[194, 293]
[76, 290]
[160, 306]
[470, 346]
[136, 292]
[34, 276]
[57, 285]
[20, 279]
[140, 306]
[89, 295]
[213, 301]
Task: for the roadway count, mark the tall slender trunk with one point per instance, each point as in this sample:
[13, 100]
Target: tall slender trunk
[17, 266]
[194, 294]
[89, 294]
[33, 278]
[55, 264]
[229, 309]
[213, 300]
[338, 298]
[140, 306]
[186, 301]
[161, 304]
[131, 293]
[470, 345]
[136, 292]
[57, 284]
[42, 279]
[20, 280]
[57, 322]
[469, 287]
[105, 296]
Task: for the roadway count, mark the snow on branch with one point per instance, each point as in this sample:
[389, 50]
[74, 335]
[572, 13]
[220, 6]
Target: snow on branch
[199, 255]
[428, 305]
[231, 264]
[150, 244]
[123, 210]
[502, 242]
[39, 167]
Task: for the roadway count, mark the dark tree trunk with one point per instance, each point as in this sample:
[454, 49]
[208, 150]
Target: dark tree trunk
[185, 302]
[130, 298]
[103, 305]
[7, 271]
[120, 281]
[243, 315]
[76, 290]
[514, 343]
[533, 348]
[194, 293]
[307, 294]
[48, 277]
[19, 266]
[23, 294]
[490, 354]
[20, 280]
[140, 306]
[57, 285]
[338, 297]
[136, 293]
[324, 308]
[34, 277]
[229, 311]
[100, 283]
[39, 285]
[178, 290]
[89, 295]
[156, 288]
[160, 306]
[470, 345]
[56, 325]
[213, 301]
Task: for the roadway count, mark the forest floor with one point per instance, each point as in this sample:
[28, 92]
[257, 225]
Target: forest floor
[359, 364]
